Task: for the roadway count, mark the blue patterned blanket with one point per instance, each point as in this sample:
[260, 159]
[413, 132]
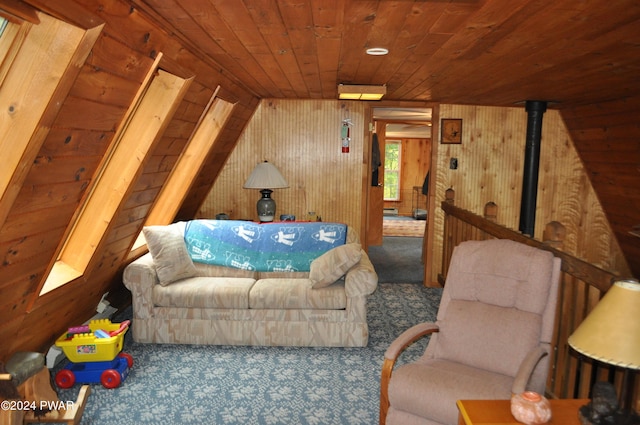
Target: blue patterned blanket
[282, 246]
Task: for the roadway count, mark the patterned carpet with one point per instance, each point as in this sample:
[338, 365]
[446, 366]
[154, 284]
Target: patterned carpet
[180, 384]
[398, 259]
[403, 227]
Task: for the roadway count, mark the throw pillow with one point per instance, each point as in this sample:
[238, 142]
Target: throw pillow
[333, 264]
[169, 252]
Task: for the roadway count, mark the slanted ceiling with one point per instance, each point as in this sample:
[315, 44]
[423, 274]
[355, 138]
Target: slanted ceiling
[583, 57]
[57, 132]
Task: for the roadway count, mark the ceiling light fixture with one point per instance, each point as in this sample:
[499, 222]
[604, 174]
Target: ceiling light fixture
[361, 92]
[377, 51]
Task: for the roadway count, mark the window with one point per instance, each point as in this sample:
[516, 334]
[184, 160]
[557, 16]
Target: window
[3, 25]
[145, 122]
[27, 97]
[392, 154]
[188, 165]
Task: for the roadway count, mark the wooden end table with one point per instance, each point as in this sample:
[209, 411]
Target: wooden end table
[498, 412]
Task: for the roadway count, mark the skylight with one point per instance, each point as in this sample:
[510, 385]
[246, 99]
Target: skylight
[3, 25]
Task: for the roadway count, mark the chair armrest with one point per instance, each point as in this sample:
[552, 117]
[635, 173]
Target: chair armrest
[526, 369]
[408, 337]
[405, 339]
[140, 277]
[361, 280]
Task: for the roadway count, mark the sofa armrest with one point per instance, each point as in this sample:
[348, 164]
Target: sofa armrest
[139, 277]
[361, 279]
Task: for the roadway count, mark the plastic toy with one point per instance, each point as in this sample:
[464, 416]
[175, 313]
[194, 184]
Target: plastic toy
[110, 374]
[78, 330]
[99, 333]
[95, 356]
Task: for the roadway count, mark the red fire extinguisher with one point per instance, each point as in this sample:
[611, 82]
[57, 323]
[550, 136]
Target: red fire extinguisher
[346, 136]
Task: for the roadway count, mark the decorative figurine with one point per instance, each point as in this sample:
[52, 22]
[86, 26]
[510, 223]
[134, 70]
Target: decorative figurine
[530, 408]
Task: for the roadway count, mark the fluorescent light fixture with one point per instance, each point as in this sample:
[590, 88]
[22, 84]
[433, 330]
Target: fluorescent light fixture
[361, 92]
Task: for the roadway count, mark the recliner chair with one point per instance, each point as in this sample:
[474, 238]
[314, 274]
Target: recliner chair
[491, 338]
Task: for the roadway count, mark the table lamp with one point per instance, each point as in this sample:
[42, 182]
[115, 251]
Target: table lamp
[265, 176]
[611, 332]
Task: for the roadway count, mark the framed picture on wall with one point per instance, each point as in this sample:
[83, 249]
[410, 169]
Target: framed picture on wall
[451, 130]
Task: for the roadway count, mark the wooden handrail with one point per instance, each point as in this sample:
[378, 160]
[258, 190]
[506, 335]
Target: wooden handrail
[587, 272]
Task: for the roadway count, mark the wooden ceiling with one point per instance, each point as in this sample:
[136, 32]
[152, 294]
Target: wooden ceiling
[578, 55]
[487, 52]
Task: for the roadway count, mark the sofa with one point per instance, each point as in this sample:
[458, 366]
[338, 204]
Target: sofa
[196, 287]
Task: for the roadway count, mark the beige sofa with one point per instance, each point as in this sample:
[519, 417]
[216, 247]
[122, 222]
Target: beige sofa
[176, 300]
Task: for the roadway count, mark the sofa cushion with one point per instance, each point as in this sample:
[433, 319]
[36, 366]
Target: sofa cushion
[285, 294]
[333, 264]
[205, 292]
[210, 270]
[431, 389]
[286, 275]
[169, 252]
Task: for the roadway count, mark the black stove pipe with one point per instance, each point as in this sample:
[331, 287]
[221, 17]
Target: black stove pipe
[535, 110]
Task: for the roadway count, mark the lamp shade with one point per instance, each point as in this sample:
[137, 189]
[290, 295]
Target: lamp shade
[611, 332]
[265, 176]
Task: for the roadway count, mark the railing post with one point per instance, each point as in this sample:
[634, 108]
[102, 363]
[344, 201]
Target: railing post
[554, 235]
[449, 196]
[491, 211]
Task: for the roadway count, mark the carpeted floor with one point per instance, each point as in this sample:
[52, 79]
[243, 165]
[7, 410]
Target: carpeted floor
[398, 259]
[180, 384]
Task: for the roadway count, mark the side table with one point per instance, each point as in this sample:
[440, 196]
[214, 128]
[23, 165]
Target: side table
[498, 412]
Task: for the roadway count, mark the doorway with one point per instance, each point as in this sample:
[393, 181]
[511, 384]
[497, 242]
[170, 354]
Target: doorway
[409, 130]
[398, 206]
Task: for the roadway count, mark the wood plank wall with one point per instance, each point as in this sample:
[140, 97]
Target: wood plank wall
[302, 139]
[490, 163]
[607, 137]
[490, 169]
[72, 151]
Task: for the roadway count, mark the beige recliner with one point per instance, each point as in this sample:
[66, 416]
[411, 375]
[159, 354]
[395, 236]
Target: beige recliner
[491, 338]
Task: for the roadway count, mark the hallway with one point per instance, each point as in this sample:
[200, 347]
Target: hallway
[398, 260]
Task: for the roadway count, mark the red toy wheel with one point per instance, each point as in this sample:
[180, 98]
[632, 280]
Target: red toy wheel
[65, 378]
[129, 358]
[110, 378]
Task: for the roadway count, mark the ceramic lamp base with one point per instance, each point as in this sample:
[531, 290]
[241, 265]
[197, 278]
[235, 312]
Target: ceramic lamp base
[266, 206]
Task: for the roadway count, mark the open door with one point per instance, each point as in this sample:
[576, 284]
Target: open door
[376, 190]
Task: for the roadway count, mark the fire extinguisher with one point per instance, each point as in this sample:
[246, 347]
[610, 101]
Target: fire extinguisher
[346, 136]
